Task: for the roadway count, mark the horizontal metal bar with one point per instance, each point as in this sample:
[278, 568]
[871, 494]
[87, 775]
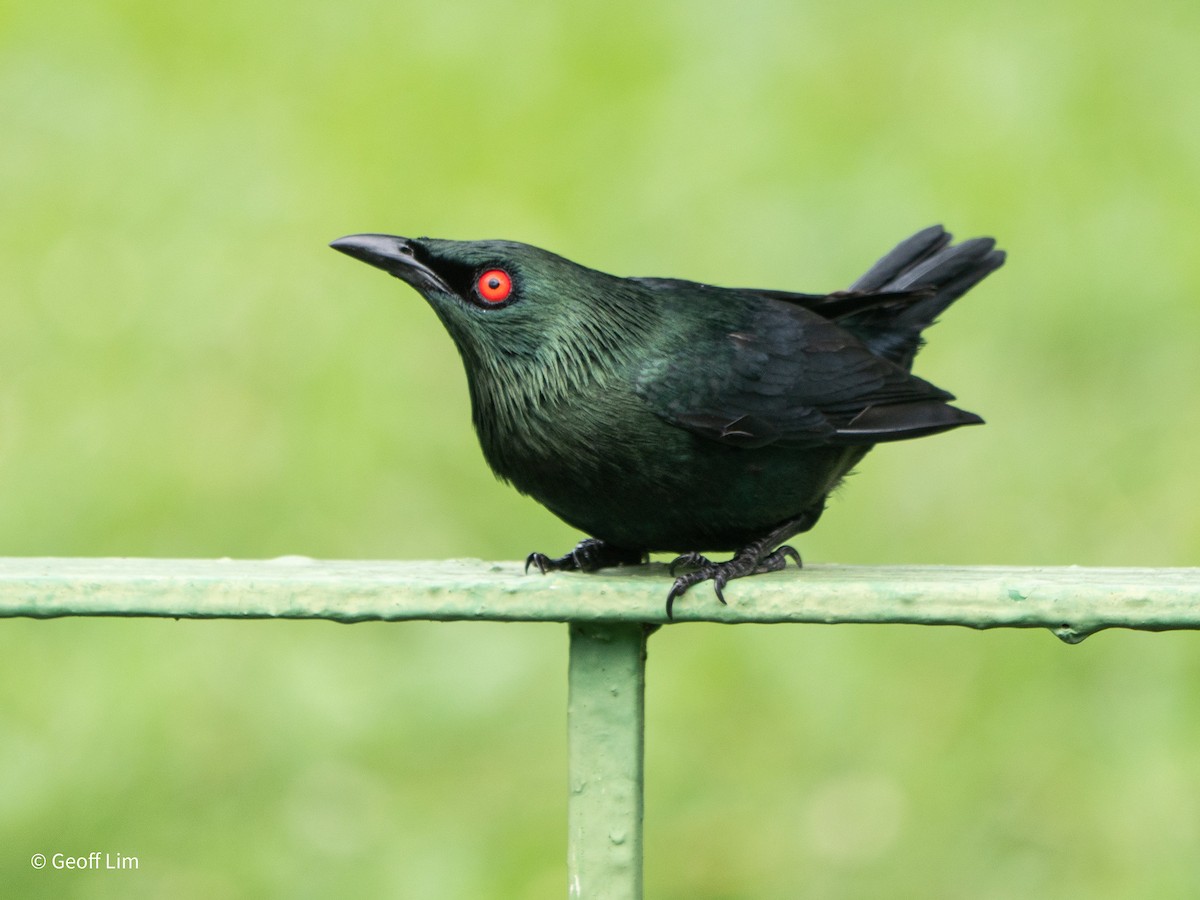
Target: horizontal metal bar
[1073, 601]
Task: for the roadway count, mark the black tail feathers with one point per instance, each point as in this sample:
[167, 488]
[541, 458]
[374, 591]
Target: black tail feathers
[935, 272]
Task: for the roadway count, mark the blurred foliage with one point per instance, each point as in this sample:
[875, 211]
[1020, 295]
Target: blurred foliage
[187, 371]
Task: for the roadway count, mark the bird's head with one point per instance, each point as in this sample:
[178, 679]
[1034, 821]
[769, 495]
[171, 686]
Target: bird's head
[497, 297]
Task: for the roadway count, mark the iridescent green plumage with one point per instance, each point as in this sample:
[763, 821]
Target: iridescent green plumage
[666, 415]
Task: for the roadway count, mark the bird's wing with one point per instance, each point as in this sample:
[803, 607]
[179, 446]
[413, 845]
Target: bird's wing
[784, 374]
[835, 306]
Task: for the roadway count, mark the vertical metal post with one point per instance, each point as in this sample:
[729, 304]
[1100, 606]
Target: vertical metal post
[605, 721]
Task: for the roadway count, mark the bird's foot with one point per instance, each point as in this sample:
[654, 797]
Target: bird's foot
[690, 560]
[747, 561]
[588, 556]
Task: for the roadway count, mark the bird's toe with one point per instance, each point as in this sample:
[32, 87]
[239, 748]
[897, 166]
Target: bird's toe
[689, 560]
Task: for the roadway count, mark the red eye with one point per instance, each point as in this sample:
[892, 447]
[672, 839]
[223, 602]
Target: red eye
[494, 286]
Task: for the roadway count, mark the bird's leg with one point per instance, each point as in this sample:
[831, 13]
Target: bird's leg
[755, 558]
[589, 555]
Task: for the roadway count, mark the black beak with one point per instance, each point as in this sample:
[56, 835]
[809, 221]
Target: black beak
[395, 255]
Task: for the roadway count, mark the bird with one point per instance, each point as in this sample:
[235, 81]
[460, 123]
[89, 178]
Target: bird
[673, 416]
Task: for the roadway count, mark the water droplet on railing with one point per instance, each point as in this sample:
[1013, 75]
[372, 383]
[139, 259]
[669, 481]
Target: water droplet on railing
[1069, 634]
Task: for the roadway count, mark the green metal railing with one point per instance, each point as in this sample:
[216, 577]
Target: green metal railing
[610, 615]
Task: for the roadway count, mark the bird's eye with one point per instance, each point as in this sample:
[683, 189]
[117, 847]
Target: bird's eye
[494, 286]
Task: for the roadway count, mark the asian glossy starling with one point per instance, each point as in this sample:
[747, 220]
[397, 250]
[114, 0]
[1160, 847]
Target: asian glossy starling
[657, 414]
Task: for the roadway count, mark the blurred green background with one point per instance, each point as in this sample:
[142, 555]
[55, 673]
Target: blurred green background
[188, 371]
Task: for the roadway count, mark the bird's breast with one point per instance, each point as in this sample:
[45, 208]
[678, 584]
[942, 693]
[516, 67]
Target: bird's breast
[612, 469]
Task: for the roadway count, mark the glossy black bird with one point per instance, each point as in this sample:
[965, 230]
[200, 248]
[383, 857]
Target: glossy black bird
[657, 414]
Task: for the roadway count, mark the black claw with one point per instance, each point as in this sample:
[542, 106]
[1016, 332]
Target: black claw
[707, 571]
[536, 559]
[719, 581]
[676, 590]
[773, 562]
